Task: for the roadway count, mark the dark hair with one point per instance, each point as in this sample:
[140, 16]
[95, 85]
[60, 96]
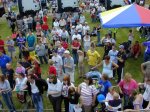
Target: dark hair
[90, 80]
[93, 44]
[130, 31]
[105, 77]
[22, 74]
[52, 76]
[107, 57]
[2, 77]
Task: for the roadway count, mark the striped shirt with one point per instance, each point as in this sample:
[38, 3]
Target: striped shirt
[87, 93]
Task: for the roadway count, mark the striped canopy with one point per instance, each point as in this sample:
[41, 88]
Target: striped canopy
[127, 16]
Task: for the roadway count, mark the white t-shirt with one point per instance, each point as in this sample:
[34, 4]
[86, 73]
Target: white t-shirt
[57, 62]
[20, 83]
[85, 29]
[78, 36]
[34, 88]
[79, 28]
[146, 95]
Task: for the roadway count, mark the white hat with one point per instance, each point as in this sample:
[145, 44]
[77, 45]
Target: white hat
[67, 52]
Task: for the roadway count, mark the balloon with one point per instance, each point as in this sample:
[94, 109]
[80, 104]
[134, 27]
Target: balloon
[100, 98]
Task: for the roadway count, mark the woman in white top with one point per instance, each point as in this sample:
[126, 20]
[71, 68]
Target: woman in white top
[87, 42]
[108, 66]
[54, 92]
[20, 87]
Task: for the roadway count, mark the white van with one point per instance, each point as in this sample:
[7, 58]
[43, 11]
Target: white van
[67, 5]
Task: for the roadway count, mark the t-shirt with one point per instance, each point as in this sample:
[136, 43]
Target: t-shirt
[4, 59]
[52, 70]
[2, 45]
[31, 40]
[10, 48]
[92, 57]
[69, 62]
[105, 85]
[10, 74]
[121, 55]
[87, 93]
[127, 88]
[113, 55]
[146, 95]
[57, 62]
[74, 99]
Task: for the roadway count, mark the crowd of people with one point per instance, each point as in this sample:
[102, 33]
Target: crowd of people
[67, 49]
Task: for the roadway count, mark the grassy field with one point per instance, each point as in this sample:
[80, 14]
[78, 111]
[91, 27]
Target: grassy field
[132, 66]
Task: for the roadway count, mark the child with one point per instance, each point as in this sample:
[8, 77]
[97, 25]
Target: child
[52, 68]
[73, 98]
[115, 104]
[80, 63]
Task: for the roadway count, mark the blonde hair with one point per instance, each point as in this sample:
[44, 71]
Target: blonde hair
[127, 76]
[116, 96]
[50, 62]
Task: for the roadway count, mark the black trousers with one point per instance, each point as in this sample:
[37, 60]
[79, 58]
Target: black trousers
[119, 73]
[145, 103]
[56, 103]
[66, 102]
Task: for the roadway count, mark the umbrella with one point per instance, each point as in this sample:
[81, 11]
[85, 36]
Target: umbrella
[127, 16]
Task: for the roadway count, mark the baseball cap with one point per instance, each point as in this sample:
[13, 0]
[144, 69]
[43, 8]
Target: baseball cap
[67, 52]
[121, 46]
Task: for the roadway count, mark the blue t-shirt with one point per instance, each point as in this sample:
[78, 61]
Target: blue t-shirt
[105, 86]
[31, 40]
[4, 59]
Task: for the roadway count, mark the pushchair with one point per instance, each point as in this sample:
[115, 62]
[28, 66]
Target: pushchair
[95, 75]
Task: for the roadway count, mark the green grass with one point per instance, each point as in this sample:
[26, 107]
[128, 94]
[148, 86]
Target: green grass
[132, 66]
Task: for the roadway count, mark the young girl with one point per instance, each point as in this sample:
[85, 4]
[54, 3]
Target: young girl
[73, 98]
[66, 85]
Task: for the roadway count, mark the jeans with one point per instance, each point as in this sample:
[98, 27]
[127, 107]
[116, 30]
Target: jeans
[38, 103]
[56, 103]
[75, 57]
[7, 97]
[98, 37]
[41, 59]
[71, 107]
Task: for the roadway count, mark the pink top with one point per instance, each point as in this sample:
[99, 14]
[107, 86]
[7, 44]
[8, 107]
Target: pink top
[127, 88]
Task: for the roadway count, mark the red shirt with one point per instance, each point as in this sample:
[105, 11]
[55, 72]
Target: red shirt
[38, 26]
[2, 45]
[76, 44]
[65, 45]
[37, 68]
[52, 70]
[45, 27]
[45, 19]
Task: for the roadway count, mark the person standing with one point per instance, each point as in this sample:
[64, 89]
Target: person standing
[41, 52]
[69, 65]
[54, 92]
[5, 91]
[10, 46]
[36, 88]
[121, 57]
[113, 57]
[4, 59]
[58, 63]
[31, 41]
[93, 57]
